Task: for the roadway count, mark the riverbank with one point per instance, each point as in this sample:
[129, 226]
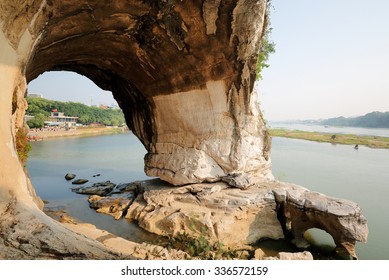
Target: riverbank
[45, 134]
[347, 139]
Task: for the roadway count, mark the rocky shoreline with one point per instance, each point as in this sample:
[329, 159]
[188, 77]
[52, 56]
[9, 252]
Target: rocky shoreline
[126, 249]
[235, 217]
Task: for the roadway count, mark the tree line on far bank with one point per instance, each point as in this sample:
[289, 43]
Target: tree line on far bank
[41, 109]
[373, 120]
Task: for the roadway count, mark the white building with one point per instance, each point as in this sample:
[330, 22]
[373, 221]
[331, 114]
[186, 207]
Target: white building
[59, 119]
[35, 95]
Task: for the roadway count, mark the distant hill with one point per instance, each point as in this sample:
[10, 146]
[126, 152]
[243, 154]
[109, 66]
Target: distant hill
[372, 120]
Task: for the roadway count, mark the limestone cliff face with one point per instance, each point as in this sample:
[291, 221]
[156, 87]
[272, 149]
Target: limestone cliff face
[183, 73]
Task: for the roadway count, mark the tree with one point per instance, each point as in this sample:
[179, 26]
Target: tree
[37, 122]
[84, 119]
[115, 121]
[85, 113]
[267, 46]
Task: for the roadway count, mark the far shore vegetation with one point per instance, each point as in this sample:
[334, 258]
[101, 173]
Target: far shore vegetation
[347, 139]
[370, 120]
[41, 108]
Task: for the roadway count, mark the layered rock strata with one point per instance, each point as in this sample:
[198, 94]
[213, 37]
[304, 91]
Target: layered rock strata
[303, 210]
[233, 216]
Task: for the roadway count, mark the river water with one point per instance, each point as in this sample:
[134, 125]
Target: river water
[335, 170]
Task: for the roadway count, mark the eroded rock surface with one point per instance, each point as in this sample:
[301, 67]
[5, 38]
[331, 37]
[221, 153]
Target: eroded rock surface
[306, 256]
[267, 209]
[101, 188]
[24, 235]
[342, 219]
[115, 205]
[227, 214]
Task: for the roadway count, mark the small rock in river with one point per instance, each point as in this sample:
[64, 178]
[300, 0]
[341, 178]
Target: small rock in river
[70, 176]
[102, 188]
[80, 181]
[115, 205]
[127, 187]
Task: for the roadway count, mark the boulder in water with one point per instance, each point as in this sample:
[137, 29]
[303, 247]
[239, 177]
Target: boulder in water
[80, 181]
[70, 176]
[101, 189]
[115, 205]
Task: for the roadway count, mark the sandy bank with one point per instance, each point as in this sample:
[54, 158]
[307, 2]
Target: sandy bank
[45, 134]
[346, 139]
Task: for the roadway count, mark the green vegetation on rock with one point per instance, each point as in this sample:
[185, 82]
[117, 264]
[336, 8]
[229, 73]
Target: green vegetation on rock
[22, 145]
[199, 247]
[267, 46]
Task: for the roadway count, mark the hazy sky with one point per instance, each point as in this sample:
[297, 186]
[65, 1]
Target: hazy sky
[332, 59]
[69, 86]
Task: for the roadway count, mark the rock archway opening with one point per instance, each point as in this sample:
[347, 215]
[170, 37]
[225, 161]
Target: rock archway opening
[68, 86]
[115, 157]
[320, 238]
[183, 81]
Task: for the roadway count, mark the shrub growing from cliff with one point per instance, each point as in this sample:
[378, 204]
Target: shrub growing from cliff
[267, 45]
[22, 145]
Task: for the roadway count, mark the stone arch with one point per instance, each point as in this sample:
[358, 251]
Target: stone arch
[320, 237]
[184, 85]
[182, 72]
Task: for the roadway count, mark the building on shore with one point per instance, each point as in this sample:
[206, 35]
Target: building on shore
[35, 95]
[59, 119]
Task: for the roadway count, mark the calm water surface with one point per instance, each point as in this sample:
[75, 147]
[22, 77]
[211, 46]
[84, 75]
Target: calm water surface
[336, 170]
[118, 158]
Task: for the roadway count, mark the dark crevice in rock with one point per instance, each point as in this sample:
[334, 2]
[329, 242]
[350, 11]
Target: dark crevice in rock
[144, 34]
[282, 219]
[137, 109]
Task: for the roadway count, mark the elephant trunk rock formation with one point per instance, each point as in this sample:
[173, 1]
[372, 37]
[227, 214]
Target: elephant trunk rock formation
[183, 73]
